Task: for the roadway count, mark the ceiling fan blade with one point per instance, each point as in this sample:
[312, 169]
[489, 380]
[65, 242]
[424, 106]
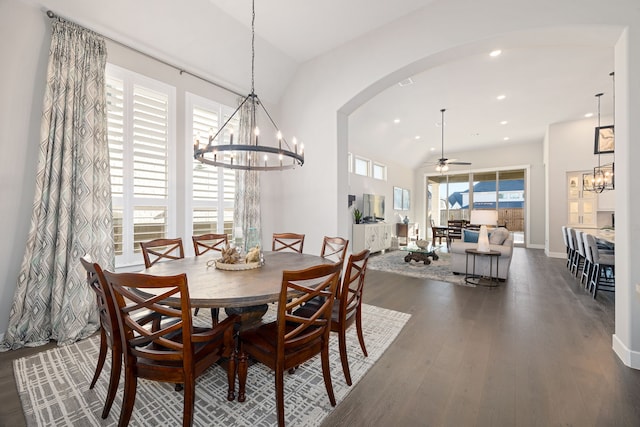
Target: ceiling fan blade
[458, 163]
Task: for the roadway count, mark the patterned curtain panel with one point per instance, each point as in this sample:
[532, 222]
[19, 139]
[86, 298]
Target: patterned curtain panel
[246, 214]
[72, 205]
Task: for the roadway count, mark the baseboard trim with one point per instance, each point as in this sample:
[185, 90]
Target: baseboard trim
[627, 356]
[557, 254]
[530, 246]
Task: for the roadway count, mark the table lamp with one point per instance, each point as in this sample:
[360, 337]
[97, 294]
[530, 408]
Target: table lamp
[483, 218]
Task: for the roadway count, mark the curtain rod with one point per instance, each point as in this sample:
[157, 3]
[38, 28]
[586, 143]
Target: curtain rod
[52, 15]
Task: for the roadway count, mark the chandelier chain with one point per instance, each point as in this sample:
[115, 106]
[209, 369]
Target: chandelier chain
[253, 43]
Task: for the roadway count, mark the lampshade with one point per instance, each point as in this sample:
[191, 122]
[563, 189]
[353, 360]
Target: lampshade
[484, 217]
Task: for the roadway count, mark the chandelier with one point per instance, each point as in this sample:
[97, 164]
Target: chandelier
[603, 176]
[256, 153]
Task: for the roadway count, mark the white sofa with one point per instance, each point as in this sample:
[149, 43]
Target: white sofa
[459, 257]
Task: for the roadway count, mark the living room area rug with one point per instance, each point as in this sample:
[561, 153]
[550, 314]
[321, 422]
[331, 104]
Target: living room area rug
[393, 262]
[54, 385]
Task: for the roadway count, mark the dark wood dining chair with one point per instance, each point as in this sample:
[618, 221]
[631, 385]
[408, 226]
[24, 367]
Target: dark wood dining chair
[176, 352]
[203, 244]
[454, 228]
[439, 233]
[334, 248]
[155, 250]
[209, 242]
[109, 331]
[287, 241]
[293, 339]
[347, 307]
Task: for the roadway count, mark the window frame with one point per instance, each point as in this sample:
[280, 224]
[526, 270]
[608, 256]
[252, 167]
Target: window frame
[128, 202]
[367, 162]
[193, 100]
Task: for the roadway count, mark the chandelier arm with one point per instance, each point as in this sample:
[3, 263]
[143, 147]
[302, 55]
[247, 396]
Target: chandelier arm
[273, 123]
[228, 120]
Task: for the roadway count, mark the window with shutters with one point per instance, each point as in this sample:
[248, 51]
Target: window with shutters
[213, 188]
[141, 131]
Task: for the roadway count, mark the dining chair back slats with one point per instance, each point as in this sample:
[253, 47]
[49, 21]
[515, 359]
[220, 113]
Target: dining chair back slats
[209, 242]
[287, 241]
[334, 248]
[159, 249]
[203, 244]
[109, 331]
[294, 337]
[349, 304]
[169, 351]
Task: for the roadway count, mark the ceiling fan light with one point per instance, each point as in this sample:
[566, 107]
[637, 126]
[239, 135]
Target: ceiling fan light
[445, 168]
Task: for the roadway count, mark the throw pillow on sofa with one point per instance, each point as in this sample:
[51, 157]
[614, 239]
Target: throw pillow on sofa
[498, 236]
[470, 236]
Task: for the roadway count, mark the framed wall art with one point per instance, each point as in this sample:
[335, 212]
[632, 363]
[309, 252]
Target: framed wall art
[604, 141]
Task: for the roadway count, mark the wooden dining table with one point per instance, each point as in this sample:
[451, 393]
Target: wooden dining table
[210, 287]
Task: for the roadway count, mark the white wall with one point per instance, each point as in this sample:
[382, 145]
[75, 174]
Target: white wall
[570, 148]
[626, 340]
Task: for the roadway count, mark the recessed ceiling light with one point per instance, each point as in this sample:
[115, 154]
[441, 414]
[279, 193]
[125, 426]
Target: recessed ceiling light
[396, 121]
[417, 137]
[506, 138]
[495, 53]
[433, 149]
[504, 122]
[501, 97]
[588, 115]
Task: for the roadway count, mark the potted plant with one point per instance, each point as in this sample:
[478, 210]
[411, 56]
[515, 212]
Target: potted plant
[357, 215]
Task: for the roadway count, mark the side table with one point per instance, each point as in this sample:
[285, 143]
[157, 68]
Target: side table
[474, 279]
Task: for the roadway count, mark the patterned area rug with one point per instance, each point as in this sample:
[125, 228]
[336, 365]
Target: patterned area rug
[54, 385]
[393, 262]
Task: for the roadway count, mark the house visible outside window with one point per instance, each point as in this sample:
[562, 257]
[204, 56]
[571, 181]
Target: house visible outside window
[361, 166]
[379, 171]
[213, 188]
[141, 130]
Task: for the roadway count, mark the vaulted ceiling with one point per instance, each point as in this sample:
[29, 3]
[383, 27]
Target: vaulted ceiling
[546, 77]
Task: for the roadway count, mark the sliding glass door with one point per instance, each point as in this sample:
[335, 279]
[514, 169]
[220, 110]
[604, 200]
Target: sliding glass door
[454, 196]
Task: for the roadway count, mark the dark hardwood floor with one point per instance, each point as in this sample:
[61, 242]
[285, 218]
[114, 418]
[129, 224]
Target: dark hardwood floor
[534, 351]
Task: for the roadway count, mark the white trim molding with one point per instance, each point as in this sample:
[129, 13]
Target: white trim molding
[627, 356]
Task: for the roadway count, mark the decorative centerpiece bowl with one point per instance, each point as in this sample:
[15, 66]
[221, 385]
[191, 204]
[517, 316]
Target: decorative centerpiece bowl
[422, 244]
[232, 261]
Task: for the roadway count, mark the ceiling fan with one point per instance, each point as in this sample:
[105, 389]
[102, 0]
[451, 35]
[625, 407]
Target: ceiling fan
[442, 164]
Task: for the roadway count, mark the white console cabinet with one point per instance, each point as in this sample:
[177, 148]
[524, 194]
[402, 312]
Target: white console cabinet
[375, 237]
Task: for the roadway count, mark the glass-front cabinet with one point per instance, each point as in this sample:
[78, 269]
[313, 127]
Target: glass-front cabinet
[581, 205]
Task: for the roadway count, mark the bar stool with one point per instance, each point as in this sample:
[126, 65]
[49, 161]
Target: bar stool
[581, 257]
[603, 275]
[588, 266]
[573, 263]
[565, 238]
